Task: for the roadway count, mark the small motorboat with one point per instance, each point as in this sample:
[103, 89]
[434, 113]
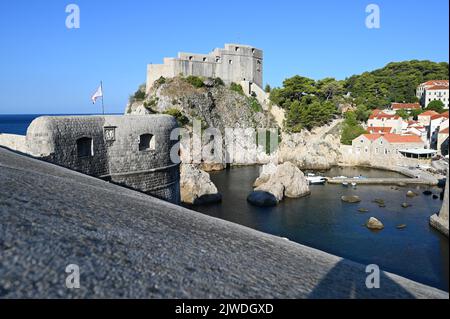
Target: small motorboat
[353, 184]
[316, 179]
[345, 184]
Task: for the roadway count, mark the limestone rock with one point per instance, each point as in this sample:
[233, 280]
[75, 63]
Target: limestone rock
[374, 224]
[262, 199]
[284, 180]
[350, 198]
[411, 194]
[196, 186]
[319, 149]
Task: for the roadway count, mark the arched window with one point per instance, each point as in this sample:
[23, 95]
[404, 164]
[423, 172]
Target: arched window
[85, 147]
[146, 142]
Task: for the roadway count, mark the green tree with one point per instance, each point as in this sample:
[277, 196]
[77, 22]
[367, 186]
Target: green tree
[267, 88]
[436, 106]
[351, 128]
[403, 114]
[362, 113]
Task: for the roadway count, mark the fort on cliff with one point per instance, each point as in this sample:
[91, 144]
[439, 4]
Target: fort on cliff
[234, 63]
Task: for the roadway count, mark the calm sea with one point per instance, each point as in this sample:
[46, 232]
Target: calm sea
[18, 123]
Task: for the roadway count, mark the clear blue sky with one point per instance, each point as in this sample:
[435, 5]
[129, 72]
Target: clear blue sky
[47, 68]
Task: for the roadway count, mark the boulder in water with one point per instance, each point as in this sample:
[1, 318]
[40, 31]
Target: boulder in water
[374, 224]
[406, 205]
[262, 199]
[350, 199]
[427, 193]
[411, 194]
[196, 186]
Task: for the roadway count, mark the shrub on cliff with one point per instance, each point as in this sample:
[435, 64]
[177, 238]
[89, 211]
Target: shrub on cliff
[181, 119]
[255, 105]
[236, 88]
[195, 81]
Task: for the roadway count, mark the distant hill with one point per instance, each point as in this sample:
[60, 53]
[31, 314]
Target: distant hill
[396, 82]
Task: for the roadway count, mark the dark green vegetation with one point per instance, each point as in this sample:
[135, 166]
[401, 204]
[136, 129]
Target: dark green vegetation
[436, 105]
[351, 128]
[309, 103]
[236, 88]
[195, 81]
[180, 117]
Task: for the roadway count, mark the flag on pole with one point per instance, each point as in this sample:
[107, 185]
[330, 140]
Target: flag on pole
[97, 94]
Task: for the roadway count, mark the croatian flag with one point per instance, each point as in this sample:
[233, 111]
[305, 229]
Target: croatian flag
[97, 94]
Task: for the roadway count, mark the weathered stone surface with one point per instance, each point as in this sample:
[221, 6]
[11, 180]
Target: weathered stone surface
[319, 149]
[374, 224]
[262, 199]
[440, 222]
[350, 198]
[131, 245]
[196, 186]
[284, 180]
[113, 150]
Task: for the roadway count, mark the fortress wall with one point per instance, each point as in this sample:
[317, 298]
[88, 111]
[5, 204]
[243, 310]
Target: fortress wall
[116, 155]
[13, 142]
[54, 138]
[235, 63]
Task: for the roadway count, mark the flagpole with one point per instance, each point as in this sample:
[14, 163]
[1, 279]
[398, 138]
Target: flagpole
[103, 105]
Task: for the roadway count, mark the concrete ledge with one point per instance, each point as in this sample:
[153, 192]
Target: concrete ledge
[439, 224]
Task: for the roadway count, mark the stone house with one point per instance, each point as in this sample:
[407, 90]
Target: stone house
[433, 90]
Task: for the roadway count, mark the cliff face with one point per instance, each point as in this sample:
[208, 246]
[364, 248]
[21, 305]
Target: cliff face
[215, 105]
[319, 149]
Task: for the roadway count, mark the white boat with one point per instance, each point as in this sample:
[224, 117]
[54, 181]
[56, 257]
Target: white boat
[340, 177]
[353, 184]
[316, 179]
[345, 184]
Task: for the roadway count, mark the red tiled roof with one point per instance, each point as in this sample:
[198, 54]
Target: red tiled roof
[378, 129]
[444, 131]
[429, 113]
[438, 87]
[436, 82]
[442, 115]
[402, 106]
[445, 114]
[379, 114]
[371, 137]
[397, 138]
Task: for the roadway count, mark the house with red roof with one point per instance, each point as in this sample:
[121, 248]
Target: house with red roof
[382, 118]
[433, 90]
[379, 145]
[425, 117]
[405, 106]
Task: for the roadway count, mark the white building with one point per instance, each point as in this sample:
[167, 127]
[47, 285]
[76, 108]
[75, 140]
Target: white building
[433, 90]
[380, 119]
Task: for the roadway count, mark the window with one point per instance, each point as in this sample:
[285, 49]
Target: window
[190, 58]
[146, 142]
[230, 61]
[85, 147]
[217, 59]
[205, 59]
[253, 51]
[237, 49]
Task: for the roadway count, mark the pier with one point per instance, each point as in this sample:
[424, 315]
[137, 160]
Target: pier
[383, 181]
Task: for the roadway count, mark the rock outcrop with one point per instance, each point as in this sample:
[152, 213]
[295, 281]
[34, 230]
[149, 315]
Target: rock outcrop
[284, 180]
[440, 222]
[196, 187]
[319, 149]
[212, 105]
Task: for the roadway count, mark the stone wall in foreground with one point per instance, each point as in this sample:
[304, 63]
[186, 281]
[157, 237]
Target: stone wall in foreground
[114, 151]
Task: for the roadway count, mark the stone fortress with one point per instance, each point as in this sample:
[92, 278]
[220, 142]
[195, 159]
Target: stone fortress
[234, 63]
[132, 151]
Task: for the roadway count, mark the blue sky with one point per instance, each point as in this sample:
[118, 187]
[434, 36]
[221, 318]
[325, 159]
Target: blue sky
[47, 68]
